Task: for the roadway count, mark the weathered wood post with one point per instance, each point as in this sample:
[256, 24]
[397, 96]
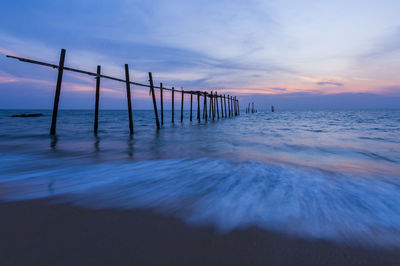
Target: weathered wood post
[96, 106]
[173, 104]
[235, 103]
[216, 101]
[205, 105]
[229, 107]
[162, 103]
[231, 100]
[210, 111]
[230, 104]
[154, 100]
[213, 105]
[191, 104]
[57, 94]
[226, 113]
[238, 107]
[198, 106]
[182, 105]
[128, 96]
[222, 107]
[234, 106]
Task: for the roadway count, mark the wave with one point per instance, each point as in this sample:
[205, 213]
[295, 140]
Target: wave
[225, 194]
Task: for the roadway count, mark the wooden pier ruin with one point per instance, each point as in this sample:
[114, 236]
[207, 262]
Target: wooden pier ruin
[216, 110]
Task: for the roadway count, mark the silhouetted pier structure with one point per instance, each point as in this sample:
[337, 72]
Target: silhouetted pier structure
[250, 110]
[214, 107]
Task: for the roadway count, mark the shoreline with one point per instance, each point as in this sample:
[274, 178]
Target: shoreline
[39, 232]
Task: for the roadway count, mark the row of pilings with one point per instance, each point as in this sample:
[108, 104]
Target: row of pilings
[215, 106]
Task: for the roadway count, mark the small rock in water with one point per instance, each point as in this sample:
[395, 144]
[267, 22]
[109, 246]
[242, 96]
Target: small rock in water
[28, 115]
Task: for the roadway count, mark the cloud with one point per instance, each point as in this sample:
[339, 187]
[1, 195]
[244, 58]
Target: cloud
[330, 83]
[278, 89]
[383, 46]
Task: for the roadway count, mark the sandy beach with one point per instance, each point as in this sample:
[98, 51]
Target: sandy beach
[39, 232]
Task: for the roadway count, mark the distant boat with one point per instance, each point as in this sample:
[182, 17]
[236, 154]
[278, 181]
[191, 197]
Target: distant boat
[272, 108]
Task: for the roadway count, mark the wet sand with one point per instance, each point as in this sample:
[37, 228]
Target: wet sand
[39, 232]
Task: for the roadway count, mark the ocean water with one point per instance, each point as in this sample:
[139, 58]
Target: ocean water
[331, 175]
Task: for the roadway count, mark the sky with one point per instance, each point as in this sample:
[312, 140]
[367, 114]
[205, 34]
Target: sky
[293, 54]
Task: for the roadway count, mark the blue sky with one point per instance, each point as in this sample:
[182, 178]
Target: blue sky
[294, 54]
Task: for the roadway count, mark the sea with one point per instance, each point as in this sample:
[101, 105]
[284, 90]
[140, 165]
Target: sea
[317, 174]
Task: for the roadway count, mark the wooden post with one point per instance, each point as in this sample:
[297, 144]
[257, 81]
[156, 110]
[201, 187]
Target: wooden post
[198, 106]
[229, 107]
[226, 113]
[154, 100]
[214, 107]
[222, 107]
[233, 113]
[57, 94]
[205, 105]
[230, 102]
[173, 104]
[216, 101]
[238, 107]
[235, 104]
[182, 105]
[210, 104]
[204, 108]
[162, 103]
[128, 96]
[96, 107]
[191, 104]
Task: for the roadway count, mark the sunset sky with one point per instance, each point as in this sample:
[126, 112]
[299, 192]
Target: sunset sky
[293, 54]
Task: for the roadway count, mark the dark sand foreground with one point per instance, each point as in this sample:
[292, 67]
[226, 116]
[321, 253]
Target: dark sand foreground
[39, 233]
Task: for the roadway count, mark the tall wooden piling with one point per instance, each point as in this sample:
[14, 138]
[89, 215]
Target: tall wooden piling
[205, 105]
[235, 103]
[173, 104]
[213, 105]
[182, 106]
[222, 107]
[238, 107]
[234, 106]
[226, 113]
[229, 108]
[128, 97]
[198, 106]
[96, 107]
[154, 100]
[162, 103]
[210, 111]
[191, 104]
[216, 101]
[57, 94]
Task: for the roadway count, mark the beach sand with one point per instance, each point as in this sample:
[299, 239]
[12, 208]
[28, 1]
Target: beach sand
[38, 232]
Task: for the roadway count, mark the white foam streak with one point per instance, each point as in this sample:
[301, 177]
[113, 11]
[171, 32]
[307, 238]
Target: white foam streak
[228, 195]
